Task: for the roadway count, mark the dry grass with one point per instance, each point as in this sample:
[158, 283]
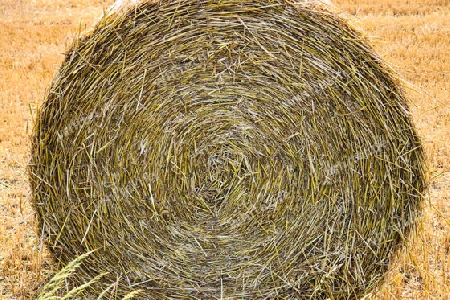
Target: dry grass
[413, 36]
[314, 117]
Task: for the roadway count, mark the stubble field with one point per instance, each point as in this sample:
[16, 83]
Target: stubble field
[412, 36]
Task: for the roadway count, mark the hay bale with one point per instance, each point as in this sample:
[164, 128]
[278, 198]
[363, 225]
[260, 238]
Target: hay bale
[226, 149]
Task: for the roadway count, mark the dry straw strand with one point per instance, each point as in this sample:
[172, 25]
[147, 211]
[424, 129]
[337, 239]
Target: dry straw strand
[209, 149]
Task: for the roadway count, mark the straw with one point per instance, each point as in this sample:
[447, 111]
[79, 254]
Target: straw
[251, 149]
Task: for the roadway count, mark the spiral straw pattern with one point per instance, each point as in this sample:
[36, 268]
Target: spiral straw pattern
[226, 149]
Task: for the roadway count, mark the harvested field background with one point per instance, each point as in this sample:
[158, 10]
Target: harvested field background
[413, 36]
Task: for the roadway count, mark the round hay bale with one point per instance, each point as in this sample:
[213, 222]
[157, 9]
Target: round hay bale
[252, 149]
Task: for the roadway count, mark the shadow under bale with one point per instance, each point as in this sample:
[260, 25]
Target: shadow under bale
[243, 149]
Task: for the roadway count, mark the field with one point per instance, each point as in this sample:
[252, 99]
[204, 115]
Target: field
[412, 36]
